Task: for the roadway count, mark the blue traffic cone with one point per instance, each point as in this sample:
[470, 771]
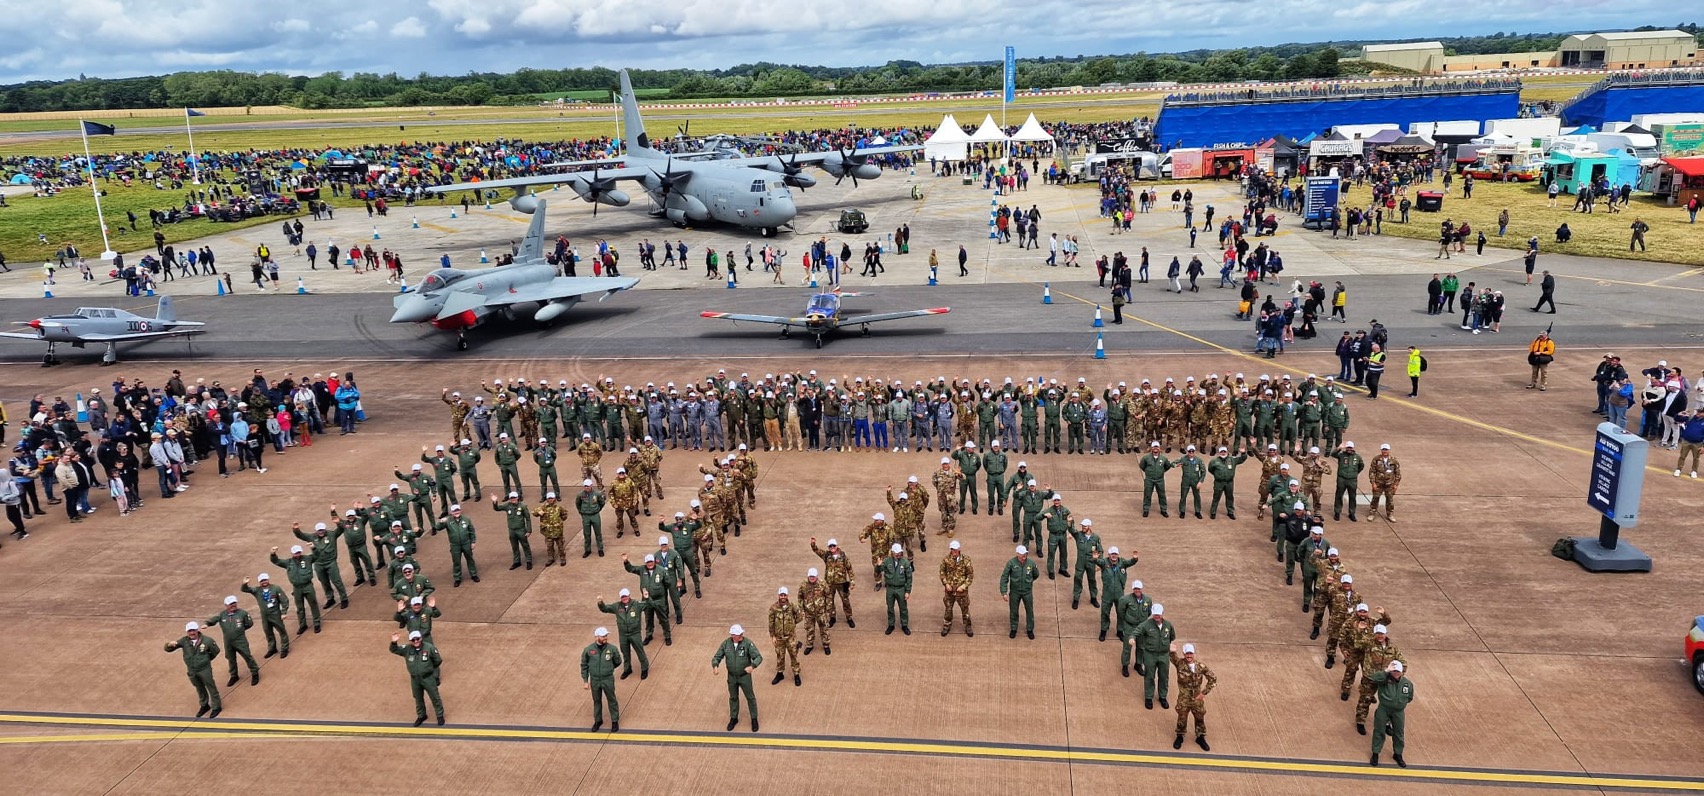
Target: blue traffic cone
[221, 284]
[1098, 322]
[402, 286]
[731, 283]
[150, 290]
[1100, 346]
[452, 212]
[1046, 293]
[932, 274]
[416, 222]
[813, 280]
[488, 204]
[301, 287]
[82, 409]
[375, 233]
[46, 290]
[482, 257]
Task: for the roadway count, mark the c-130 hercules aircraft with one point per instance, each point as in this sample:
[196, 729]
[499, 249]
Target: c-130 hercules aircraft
[749, 192]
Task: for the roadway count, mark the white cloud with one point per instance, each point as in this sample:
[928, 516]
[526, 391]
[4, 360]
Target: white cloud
[410, 28]
[292, 26]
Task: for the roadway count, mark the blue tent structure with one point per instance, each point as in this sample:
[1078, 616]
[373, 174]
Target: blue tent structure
[20, 179]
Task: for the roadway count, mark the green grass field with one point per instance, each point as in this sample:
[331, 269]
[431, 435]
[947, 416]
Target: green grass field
[1601, 234]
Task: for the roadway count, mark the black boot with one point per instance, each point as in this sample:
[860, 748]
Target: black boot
[1373, 760]
[1148, 703]
[1201, 741]
[232, 681]
[1361, 728]
[777, 679]
[1126, 670]
[1177, 743]
[1164, 704]
[1330, 660]
[1400, 763]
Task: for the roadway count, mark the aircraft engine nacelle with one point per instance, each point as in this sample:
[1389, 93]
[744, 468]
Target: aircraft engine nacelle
[866, 171]
[613, 198]
[552, 311]
[527, 203]
[686, 206]
[800, 180]
[835, 164]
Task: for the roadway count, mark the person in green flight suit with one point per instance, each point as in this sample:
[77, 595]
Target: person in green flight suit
[520, 527]
[1113, 573]
[353, 528]
[1027, 503]
[654, 593]
[597, 670]
[1133, 610]
[420, 487]
[273, 606]
[395, 505]
[897, 573]
[423, 664]
[1154, 466]
[1395, 692]
[1153, 639]
[1349, 467]
[443, 476]
[417, 613]
[467, 463]
[1058, 519]
[233, 624]
[324, 547]
[986, 432]
[994, 471]
[590, 503]
[742, 658]
[1052, 408]
[1017, 586]
[1088, 566]
[1194, 472]
[1027, 422]
[681, 533]
[627, 612]
[1336, 420]
[199, 652]
[300, 570]
[1223, 468]
[508, 457]
[545, 457]
[1076, 418]
[462, 537]
[969, 463]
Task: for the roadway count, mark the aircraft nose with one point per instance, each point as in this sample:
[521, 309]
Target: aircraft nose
[414, 309]
[35, 324]
[783, 207]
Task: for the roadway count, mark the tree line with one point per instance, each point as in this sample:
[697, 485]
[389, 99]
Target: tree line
[226, 88]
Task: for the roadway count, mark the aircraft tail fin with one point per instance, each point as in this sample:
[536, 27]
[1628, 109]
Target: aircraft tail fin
[165, 311]
[635, 125]
[532, 246]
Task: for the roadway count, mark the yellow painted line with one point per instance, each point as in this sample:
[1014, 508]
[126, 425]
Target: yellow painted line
[1661, 279]
[435, 227]
[132, 736]
[872, 746]
[1273, 364]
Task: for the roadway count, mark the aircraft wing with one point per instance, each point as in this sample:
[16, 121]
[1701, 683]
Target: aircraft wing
[854, 320]
[112, 338]
[604, 163]
[625, 173]
[815, 158]
[740, 316]
[563, 287]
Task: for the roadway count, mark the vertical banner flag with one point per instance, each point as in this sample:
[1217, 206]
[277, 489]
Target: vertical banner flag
[193, 112]
[1011, 74]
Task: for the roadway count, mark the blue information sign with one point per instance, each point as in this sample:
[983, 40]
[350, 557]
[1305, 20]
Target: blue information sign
[1320, 198]
[1618, 474]
[1011, 74]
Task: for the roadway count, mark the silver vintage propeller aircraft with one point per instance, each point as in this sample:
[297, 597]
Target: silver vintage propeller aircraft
[749, 192]
[107, 325]
[823, 316]
[456, 301]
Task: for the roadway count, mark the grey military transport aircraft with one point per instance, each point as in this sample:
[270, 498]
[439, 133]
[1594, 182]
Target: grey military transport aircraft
[107, 325]
[749, 192]
[455, 300]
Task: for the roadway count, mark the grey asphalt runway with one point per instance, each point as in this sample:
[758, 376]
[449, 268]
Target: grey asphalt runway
[985, 319]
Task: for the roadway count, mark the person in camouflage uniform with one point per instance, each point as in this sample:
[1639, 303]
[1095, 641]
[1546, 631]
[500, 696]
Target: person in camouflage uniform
[1385, 474]
[1315, 467]
[1270, 468]
[528, 417]
[1376, 654]
[881, 537]
[908, 511]
[458, 413]
[839, 568]
[1334, 578]
[1354, 638]
[817, 603]
[1194, 682]
[957, 573]
[715, 515]
[652, 457]
[1344, 603]
[590, 454]
[727, 492]
[745, 477]
[948, 481]
[552, 525]
[635, 467]
[784, 619]
[624, 496]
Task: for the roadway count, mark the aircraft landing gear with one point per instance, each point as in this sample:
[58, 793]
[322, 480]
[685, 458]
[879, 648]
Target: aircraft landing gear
[461, 341]
[48, 360]
[864, 330]
[819, 341]
[768, 232]
[111, 355]
[784, 335]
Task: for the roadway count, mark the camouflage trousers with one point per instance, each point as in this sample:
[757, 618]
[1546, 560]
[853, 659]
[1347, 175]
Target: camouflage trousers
[1389, 495]
[1351, 667]
[1312, 492]
[594, 472]
[654, 487]
[845, 592]
[1322, 600]
[786, 648]
[624, 516]
[816, 625]
[1364, 700]
[706, 548]
[1188, 705]
[554, 549]
[949, 515]
[962, 600]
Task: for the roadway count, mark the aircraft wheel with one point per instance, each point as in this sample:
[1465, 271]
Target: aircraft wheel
[461, 345]
[819, 342]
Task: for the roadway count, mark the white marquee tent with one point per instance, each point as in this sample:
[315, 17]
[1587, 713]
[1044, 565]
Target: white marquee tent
[1031, 132]
[988, 133]
[948, 142]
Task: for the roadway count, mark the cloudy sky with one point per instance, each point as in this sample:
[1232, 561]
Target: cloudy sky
[117, 38]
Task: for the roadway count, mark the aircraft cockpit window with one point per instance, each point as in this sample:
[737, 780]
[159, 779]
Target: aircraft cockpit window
[757, 186]
[778, 186]
[432, 283]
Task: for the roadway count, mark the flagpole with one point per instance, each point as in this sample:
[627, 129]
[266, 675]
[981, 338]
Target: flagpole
[194, 162]
[106, 251]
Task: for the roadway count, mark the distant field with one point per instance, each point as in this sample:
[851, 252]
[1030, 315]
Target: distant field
[599, 95]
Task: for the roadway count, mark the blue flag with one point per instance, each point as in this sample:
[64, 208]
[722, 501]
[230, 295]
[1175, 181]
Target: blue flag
[93, 128]
[193, 112]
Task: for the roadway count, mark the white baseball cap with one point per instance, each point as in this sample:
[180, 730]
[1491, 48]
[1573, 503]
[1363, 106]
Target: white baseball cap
[811, 573]
[1022, 550]
[1380, 629]
[1348, 578]
[231, 600]
[878, 516]
[953, 545]
[295, 549]
[413, 634]
[1188, 649]
[1112, 551]
[1135, 585]
[736, 630]
[650, 559]
[191, 626]
[602, 632]
[897, 549]
[415, 601]
[624, 593]
[1158, 609]
[662, 540]
[1396, 666]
